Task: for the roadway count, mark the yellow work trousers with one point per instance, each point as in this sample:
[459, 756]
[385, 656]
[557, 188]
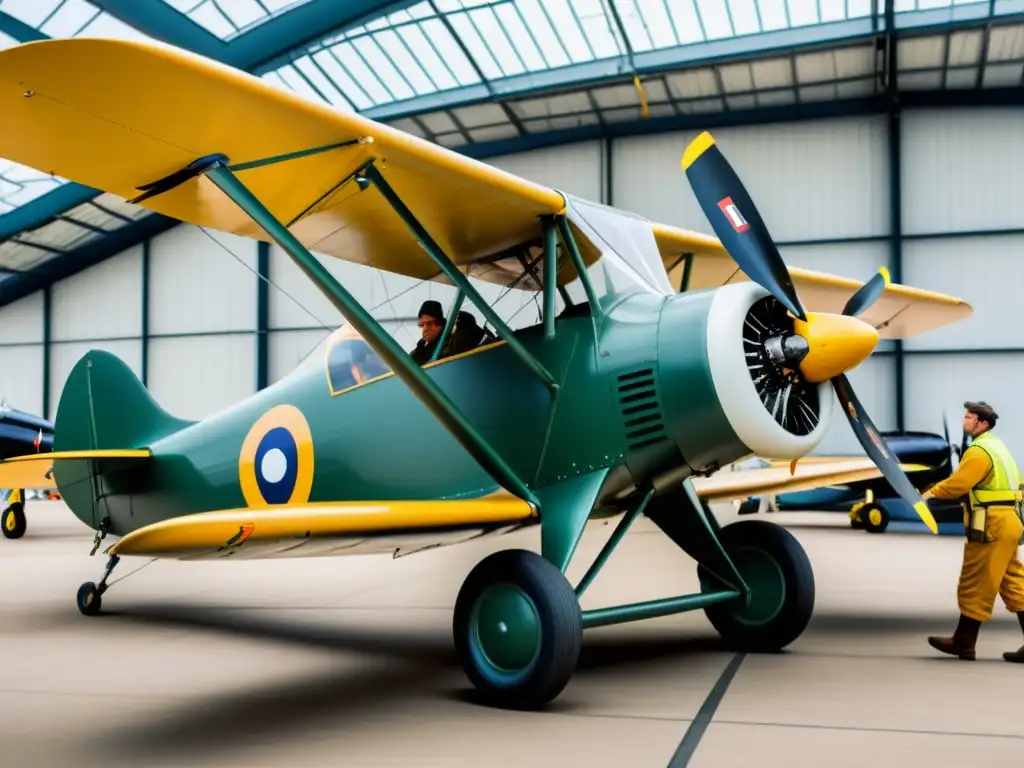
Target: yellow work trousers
[992, 567]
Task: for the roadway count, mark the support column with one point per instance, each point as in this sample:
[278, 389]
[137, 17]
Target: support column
[144, 323]
[262, 315]
[47, 292]
[895, 192]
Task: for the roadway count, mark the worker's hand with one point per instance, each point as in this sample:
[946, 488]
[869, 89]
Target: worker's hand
[927, 495]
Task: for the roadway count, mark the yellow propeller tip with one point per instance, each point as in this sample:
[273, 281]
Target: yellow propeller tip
[885, 274]
[696, 148]
[926, 515]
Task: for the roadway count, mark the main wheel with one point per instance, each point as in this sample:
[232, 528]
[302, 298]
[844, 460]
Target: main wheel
[89, 599]
[778, 572]
[855, 522]
[13, 522]
[518, 629]
[875, 518]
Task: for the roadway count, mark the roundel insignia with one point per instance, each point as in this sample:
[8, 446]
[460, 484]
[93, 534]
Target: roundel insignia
[275, 465]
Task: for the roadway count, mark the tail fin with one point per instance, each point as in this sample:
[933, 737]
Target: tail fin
[105, 406]
[106, 421]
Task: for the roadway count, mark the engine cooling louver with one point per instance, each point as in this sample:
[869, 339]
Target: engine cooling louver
[640, 406]
[791, 401]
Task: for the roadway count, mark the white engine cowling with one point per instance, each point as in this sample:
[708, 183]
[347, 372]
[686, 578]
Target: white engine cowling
[776, 415]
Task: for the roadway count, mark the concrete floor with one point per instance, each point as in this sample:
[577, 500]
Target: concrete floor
[348, 662]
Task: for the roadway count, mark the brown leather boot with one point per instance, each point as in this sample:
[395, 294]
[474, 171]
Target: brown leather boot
[962, 642]
[1017, 656]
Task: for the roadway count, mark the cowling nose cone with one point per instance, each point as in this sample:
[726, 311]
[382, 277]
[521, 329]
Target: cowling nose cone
[836, 344]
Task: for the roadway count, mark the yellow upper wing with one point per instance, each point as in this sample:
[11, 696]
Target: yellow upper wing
[116, 115]
[727, 486]
[899, 313]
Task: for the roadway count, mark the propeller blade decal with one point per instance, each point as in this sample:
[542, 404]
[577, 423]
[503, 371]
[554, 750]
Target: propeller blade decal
[736, 221]
[868, 293]
[879, 452]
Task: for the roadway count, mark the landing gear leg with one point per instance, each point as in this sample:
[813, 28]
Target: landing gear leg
[90, 595]
[760, 559]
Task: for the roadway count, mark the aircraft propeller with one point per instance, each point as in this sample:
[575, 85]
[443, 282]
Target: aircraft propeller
[823, 346]
[954, 450]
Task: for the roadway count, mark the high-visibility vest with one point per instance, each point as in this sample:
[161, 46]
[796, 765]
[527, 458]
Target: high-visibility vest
[1002, 485]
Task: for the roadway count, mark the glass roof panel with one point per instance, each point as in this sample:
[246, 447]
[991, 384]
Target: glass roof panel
[20, 184]
[446, 45]
[229, 18]
[69, 18]
[54, 18]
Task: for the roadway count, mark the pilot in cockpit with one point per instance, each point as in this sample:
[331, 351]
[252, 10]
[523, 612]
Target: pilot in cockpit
[466, 335]
[431, 323]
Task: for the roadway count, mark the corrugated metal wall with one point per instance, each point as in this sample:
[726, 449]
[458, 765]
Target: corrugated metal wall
[962, 173]
[21, 354]
[823, 187]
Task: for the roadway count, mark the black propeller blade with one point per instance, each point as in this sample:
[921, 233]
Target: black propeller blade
[879, 452]
[743, 233]
[737, 223]
[867, 294]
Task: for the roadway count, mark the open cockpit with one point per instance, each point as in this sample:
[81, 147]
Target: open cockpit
[617, 251]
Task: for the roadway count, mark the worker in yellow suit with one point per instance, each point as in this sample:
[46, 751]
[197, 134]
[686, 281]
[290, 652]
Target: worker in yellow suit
[988, 477]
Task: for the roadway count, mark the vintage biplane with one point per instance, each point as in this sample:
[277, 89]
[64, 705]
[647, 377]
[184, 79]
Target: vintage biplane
[623, 399]
[21, 434]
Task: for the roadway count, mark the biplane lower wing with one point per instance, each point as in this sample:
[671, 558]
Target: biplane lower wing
[33, 470]
[323, 528]
[339, 528]
[729, 486]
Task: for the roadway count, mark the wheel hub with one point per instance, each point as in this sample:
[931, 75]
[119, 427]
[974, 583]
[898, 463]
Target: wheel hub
[506, 627]
[767, 586]
[10, 521]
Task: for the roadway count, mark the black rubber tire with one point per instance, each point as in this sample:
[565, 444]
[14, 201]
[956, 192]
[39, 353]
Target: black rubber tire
[89, 607]
[17, 510]
[560, 621]
[868, 525]
[792, 617]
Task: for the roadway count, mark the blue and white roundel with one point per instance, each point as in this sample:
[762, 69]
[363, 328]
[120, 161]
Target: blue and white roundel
[277, 465]
[276, 462]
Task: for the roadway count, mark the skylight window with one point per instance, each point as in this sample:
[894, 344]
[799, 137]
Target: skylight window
[229, 18]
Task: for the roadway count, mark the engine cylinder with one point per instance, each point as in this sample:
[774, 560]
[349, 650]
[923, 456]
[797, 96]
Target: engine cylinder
[725, 395]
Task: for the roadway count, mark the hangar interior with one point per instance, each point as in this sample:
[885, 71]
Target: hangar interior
[869, 134]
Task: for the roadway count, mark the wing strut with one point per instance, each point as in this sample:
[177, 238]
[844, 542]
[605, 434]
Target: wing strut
[379, 340]
[460, 281]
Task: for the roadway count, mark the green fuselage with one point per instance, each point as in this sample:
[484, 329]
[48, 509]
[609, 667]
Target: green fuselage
[636, 396]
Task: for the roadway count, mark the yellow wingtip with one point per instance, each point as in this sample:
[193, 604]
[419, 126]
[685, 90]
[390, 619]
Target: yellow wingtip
[696, 148]
[926, 515]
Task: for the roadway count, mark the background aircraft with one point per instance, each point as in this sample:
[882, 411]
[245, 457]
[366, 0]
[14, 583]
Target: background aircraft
[873, 503]
[20, 433]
